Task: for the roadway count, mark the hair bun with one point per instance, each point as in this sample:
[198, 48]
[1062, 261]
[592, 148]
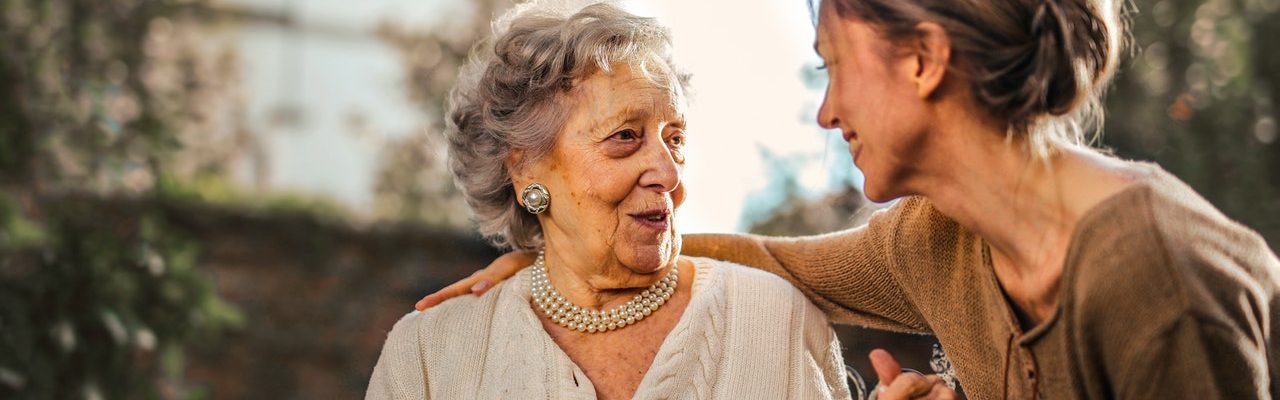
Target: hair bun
[1062, 65]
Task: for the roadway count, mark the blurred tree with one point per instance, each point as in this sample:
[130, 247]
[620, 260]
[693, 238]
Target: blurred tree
[413, 181]
[100, 100]
[1199, 98]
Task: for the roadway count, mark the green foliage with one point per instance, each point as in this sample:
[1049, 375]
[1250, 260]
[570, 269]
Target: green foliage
[218, 189]
[413, 183]
[16, 231]
[90, 308]
[98, 298]
[1198, 96]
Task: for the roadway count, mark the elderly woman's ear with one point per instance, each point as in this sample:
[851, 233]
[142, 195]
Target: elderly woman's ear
[516, 168]
[532, 195]
[519, 171]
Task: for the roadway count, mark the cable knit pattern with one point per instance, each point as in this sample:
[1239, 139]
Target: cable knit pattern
[744, 334]
[1162, 297]
[701, 342]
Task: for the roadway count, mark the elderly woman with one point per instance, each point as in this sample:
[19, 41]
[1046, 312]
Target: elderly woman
[566, 135]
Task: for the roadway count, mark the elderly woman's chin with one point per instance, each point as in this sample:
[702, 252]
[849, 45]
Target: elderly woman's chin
[648, 254]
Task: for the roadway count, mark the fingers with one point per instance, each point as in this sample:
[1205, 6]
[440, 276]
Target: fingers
[481, 281]
[887, 368]
[896, 385]
[910, 386]
[509, 264]
[941, 391]
[458, 288]
[482, 285]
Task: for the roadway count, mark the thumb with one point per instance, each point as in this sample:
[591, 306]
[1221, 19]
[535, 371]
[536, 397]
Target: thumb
[887, 368]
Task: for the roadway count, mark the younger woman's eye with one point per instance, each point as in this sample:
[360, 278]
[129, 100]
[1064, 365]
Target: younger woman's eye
[823, 66]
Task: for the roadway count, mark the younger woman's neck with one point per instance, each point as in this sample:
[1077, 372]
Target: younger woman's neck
[1025, 207]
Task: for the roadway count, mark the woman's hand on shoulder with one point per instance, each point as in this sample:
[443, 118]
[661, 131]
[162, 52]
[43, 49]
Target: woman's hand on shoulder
[897, 385]
[479, 282]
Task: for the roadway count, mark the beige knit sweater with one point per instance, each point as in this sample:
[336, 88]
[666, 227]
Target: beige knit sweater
[1162, 297]
[745, 334]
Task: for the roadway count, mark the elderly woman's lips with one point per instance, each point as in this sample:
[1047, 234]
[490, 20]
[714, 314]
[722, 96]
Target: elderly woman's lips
[657, 220]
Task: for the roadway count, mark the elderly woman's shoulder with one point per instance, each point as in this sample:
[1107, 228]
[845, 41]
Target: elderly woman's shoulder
[733, 275]
[458, 315]
[440, 335]
[761, 303]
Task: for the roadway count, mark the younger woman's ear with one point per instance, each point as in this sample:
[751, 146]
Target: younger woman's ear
[932, 48]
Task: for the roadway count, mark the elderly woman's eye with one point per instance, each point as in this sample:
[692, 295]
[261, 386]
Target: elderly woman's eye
[625, 134]
[677, 141]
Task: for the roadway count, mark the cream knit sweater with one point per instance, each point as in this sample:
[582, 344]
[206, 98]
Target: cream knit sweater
[744, 334]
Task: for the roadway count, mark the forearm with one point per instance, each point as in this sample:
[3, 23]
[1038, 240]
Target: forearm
[748, 250]
[842, 273]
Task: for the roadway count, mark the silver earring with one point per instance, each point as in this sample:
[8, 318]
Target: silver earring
[536, 198]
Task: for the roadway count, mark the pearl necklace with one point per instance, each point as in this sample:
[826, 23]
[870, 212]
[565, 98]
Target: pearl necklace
[582, 319]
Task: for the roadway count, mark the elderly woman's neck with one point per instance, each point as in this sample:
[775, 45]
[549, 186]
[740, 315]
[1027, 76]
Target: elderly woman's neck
[597, 284]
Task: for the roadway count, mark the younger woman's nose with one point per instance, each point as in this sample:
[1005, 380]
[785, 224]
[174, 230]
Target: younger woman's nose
[826, 115]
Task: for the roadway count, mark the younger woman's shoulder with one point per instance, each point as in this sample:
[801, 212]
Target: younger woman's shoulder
[1159, 242]
[1186, 227]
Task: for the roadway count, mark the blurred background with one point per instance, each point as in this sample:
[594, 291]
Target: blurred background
[238, 198]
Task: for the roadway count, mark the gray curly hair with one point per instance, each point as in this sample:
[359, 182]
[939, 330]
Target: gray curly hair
[510, 96]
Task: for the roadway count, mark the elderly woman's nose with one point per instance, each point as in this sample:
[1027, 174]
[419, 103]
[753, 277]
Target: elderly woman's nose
[662, 172]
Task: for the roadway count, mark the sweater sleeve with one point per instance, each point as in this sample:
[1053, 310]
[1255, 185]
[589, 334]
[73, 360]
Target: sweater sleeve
[1182, 307]
[847, 274]
[399, 372]
[1218, 341]
[1196, 359]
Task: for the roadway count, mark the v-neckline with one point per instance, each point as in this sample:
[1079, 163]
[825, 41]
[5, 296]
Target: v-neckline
[1068, 261]
[703, 273]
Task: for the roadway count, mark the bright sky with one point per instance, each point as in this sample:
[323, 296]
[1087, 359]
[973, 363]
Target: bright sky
[746, 56]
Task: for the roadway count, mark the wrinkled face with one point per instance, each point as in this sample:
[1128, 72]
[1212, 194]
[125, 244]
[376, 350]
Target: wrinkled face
[615, 177]
[872, 100]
